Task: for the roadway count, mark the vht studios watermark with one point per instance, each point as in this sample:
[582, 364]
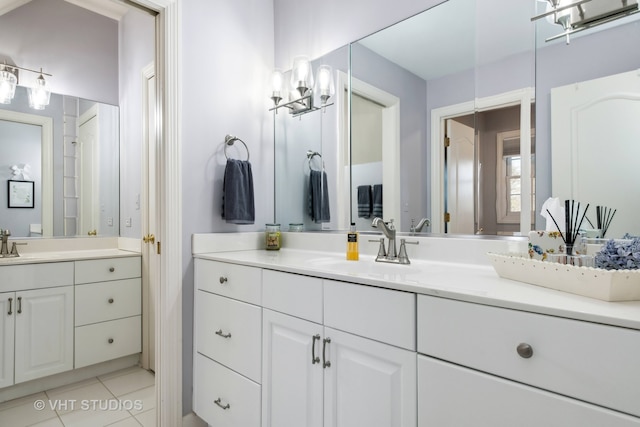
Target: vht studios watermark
[88, 405]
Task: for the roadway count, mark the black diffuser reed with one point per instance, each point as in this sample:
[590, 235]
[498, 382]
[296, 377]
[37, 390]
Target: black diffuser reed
[572, 223]
[604, 216]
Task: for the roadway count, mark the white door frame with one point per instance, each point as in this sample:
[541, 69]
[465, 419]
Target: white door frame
[169, 297]
[523, 97]
[390, 145]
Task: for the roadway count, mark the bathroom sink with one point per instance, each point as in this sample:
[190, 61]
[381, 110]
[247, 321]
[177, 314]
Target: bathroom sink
[367, 266]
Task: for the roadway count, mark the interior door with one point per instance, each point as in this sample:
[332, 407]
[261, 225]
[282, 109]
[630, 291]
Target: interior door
[594, 145]
[151, 218]
[459, 170]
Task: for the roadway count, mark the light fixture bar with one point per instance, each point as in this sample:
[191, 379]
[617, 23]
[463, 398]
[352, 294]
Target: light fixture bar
[5, 66]
[557, 9]
[595, 23]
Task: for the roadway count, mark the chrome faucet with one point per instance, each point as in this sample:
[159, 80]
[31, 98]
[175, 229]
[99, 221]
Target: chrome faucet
[389, 230]
[422, 223]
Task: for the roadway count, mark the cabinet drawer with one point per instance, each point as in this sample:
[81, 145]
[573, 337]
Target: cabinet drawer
[230, 280]
[229, 332]
[107, 340]
[381, 314]
[293, 294]
[35, 276]
[99, 302]
[591, 362]
[101, 270]
[444, 388]
[238, 398]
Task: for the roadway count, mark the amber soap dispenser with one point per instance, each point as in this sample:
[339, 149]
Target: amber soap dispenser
[352, 244]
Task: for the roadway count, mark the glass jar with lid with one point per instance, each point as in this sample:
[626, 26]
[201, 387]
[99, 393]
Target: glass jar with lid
[273, 238]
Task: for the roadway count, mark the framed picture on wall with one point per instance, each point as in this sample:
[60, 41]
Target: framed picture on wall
[20, 194]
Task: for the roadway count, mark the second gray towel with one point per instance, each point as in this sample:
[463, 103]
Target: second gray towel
[377, 200]
[319, 196]
[237, 193]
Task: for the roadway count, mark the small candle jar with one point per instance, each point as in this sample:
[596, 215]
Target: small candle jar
[272, 237]
[296, 227]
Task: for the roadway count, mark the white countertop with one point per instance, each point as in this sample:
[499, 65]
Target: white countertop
[72, 255]
[466, 282]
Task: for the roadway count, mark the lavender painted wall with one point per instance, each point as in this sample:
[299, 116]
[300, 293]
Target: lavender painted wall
[227, 59]
[79, 47]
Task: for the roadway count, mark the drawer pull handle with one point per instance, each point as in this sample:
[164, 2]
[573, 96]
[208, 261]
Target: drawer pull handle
[222, 334]
[10, 310]
[110, 300]
[325, 363]
[19, 305]
[110, 340]
[218, 402]
[524, 350]
[112, 269]
[314, 359]
[223, 280]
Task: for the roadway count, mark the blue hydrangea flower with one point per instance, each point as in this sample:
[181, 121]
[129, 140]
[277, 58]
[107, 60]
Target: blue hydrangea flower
[619, 255]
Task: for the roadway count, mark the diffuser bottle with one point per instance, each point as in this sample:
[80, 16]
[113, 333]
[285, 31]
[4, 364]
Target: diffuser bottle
[352, 244]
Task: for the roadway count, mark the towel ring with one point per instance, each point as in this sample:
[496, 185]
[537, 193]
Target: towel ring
[310, 156]
[229, 140]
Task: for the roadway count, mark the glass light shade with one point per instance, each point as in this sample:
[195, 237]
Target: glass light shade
[8, 83]
[301, 75]
[276, 86]
[39, 94]
[325, 88]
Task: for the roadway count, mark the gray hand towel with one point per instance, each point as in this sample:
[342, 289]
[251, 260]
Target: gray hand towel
[377, 200]
[237, 193]
[319, 196]
[364, 201]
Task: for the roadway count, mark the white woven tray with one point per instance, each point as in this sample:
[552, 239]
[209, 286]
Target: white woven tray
[606, 285]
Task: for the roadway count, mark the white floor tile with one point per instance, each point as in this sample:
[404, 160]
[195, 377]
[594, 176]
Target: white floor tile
[128, 383]
[125, 371]
[144, 399]
[94, 418]
[74, 399]
[127, 422]
[22, 400]
[30, 410]
[53, 422]
[147, 419]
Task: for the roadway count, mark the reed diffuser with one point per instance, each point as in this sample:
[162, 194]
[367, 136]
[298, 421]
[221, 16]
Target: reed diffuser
[572, 223]
[604, 216]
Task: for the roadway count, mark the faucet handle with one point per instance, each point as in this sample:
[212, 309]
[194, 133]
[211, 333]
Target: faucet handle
[403, 258]
[381, 250]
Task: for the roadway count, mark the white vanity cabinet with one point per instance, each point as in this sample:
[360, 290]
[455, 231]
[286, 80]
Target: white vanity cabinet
[326, 357]
[490, 366]
[108, 309]
[227, 341]
[37, 321]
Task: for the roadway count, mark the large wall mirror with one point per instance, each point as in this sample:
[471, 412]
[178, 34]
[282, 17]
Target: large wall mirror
[70, 151]
[452, 113]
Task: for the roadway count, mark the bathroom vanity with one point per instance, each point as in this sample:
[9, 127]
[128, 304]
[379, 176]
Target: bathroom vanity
[300, 337]
[67, 310]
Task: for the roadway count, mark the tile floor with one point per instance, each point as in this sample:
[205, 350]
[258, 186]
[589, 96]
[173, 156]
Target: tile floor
[124, 398]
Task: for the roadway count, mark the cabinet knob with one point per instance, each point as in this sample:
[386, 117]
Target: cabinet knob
[110, 340]
[524, 350]
[110, 300]
[112, 269]
[223, 279]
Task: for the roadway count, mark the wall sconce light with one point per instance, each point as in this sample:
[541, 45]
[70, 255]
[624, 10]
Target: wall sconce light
[302, 91]
[578, 15]
[39, 94]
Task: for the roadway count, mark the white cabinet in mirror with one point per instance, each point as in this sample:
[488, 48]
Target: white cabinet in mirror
[70, 151]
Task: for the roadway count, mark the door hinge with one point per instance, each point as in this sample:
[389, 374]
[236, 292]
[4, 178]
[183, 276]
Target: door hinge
[447, 217]
[158, 248]
[447, 141]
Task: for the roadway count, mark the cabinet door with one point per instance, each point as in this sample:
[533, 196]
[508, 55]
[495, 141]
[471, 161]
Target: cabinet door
[452, 396]
[291, 372]
[44, 332]
[368, 383]
[7, 320]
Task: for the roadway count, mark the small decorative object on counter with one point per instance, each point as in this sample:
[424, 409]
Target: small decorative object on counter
[353, 253]
[273, 237]
[296, 227]
[619, 255]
